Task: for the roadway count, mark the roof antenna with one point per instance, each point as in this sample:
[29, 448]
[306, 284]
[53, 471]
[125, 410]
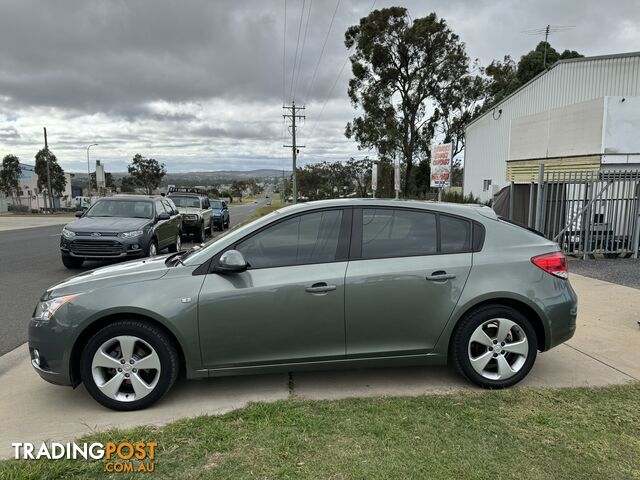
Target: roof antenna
[546, 31]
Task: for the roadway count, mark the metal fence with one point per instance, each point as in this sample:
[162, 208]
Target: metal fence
[587, 213]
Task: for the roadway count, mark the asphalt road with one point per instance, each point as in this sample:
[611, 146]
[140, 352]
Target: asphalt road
[30, 263]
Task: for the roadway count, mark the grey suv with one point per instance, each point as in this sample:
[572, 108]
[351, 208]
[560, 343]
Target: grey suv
[319, 285]
[121, 227]
[196, 210]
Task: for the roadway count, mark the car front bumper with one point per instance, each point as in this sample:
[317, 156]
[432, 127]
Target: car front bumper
[51, 362]
[89, 247]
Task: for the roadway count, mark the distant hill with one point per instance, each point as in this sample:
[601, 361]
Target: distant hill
[201, 178]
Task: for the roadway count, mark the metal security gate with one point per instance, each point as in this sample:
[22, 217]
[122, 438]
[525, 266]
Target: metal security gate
[591, 212]
[587, 213]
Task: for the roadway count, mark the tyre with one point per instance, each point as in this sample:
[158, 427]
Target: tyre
[152, 249]
[211, 226]
[494, 346]
[177, 245]
[201, 234]
[129, 365]
[72, 262]
[225, 225]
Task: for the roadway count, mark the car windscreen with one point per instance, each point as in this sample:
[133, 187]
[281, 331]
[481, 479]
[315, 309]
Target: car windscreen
[216, 204]
[186, 202]
[121, 208]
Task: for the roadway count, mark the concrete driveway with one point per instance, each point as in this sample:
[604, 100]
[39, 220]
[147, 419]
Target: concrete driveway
[603, 352]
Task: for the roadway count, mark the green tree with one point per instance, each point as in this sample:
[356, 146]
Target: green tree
[58, 180]
[533, 63]
[10, 177]
[401, 69]
[128, 184]
[237, 188]
[147, 172]
[505, 77]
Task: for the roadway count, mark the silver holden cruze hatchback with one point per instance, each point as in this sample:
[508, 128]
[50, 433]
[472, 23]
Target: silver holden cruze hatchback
[319, 285]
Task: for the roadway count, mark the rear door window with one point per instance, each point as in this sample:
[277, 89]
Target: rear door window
[398, 233]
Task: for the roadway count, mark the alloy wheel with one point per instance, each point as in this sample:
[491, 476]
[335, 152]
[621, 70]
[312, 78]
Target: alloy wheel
[126, 368]
[498, 349]
[178, 243]
[153, 250]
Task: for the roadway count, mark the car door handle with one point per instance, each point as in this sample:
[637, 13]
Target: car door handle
[441, 276]
[320, 287]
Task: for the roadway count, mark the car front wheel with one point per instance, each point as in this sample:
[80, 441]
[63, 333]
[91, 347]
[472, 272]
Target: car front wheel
[201, 234]
[494, 346]
[129, 365]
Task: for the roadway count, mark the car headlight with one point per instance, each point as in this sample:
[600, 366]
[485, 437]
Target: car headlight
[68, 234]
[45, 309]
[133, 234]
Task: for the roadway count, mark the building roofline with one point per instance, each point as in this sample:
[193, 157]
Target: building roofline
[559, 62]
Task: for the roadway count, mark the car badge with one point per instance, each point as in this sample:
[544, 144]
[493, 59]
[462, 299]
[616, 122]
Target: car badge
[95, 234]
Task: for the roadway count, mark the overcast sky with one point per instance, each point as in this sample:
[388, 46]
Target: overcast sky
[198, 85]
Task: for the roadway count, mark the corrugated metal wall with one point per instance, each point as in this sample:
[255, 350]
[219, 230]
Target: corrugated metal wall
[568, 82]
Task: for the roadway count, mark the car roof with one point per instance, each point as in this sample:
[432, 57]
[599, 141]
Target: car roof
[444, 207]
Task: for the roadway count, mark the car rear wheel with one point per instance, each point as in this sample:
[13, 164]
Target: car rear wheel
[129, 365]
[177, 245]
[72, 262]
[495, 346]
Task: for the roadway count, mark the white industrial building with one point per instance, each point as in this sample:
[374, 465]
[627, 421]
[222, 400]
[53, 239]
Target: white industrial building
[581, 115]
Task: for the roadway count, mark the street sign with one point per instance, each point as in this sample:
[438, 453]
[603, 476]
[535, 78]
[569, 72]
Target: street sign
[441, 165]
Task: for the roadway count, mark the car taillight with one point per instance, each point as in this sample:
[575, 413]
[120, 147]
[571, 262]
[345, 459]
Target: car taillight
[554, 263]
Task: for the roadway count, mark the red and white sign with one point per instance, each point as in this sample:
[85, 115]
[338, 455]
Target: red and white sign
[441, 165]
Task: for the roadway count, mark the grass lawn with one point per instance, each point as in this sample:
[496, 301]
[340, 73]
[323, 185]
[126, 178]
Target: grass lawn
[276, 203]
[515, 434]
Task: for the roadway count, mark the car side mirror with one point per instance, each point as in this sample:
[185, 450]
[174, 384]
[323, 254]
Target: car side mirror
[231, 261]
[164, 216]
[79, 213]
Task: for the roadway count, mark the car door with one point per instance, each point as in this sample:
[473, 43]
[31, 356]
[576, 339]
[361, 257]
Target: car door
[163, 227]
[289, 304]
[403, 279]
[175, 222]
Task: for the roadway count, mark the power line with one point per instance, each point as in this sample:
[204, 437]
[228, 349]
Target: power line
[304, 41]
[295, 57]
[324, 44]
[284, 57]
[324, 105]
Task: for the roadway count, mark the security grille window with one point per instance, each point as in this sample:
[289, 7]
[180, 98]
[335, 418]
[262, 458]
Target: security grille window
[486, 184]
[398, 233]
[455, 235]
[309, 238]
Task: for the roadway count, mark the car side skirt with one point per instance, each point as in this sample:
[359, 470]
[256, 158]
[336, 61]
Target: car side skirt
[341, 364]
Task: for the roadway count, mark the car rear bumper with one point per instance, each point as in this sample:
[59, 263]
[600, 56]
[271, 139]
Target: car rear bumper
[563, 319]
